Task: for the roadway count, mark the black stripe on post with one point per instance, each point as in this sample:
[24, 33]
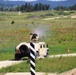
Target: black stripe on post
[32, 45]
[32, 59]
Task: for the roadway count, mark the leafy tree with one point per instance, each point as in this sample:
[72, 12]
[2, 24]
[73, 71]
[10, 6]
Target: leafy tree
[22, 8]
[59, 8]
[28, 7]
[73, 7]
[36, 7]
[1, 8]
[17, 8]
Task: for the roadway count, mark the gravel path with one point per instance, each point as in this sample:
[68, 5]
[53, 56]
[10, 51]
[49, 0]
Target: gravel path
[8, 63]
[55, 18]
[62, 55]
[71, 72]
[37, 73]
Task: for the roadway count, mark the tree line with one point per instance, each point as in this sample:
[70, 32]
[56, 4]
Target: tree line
[37, 7]
[66, 8]
[27, 7]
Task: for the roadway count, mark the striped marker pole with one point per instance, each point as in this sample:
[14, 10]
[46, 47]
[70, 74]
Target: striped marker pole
[32, 59]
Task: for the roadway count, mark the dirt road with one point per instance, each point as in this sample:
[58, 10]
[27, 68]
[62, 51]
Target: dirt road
[10, 62]
[62, 55]
[71, 72]
[55, 18]
[37, 73]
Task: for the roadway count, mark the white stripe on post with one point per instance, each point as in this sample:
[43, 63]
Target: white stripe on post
[32, 63]
[32, 55]
[32, 59]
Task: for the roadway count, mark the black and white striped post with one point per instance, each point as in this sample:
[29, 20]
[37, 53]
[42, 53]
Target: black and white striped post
[32, 59]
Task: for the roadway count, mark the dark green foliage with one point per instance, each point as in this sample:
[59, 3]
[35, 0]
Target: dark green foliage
[12, 22]
[27, 7]
[73, 7]
[37, 7]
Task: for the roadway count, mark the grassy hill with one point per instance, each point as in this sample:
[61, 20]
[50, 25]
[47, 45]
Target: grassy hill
[60, 32]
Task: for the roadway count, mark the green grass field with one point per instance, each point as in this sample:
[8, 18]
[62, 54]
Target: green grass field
[60, 35]
[52, 65]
